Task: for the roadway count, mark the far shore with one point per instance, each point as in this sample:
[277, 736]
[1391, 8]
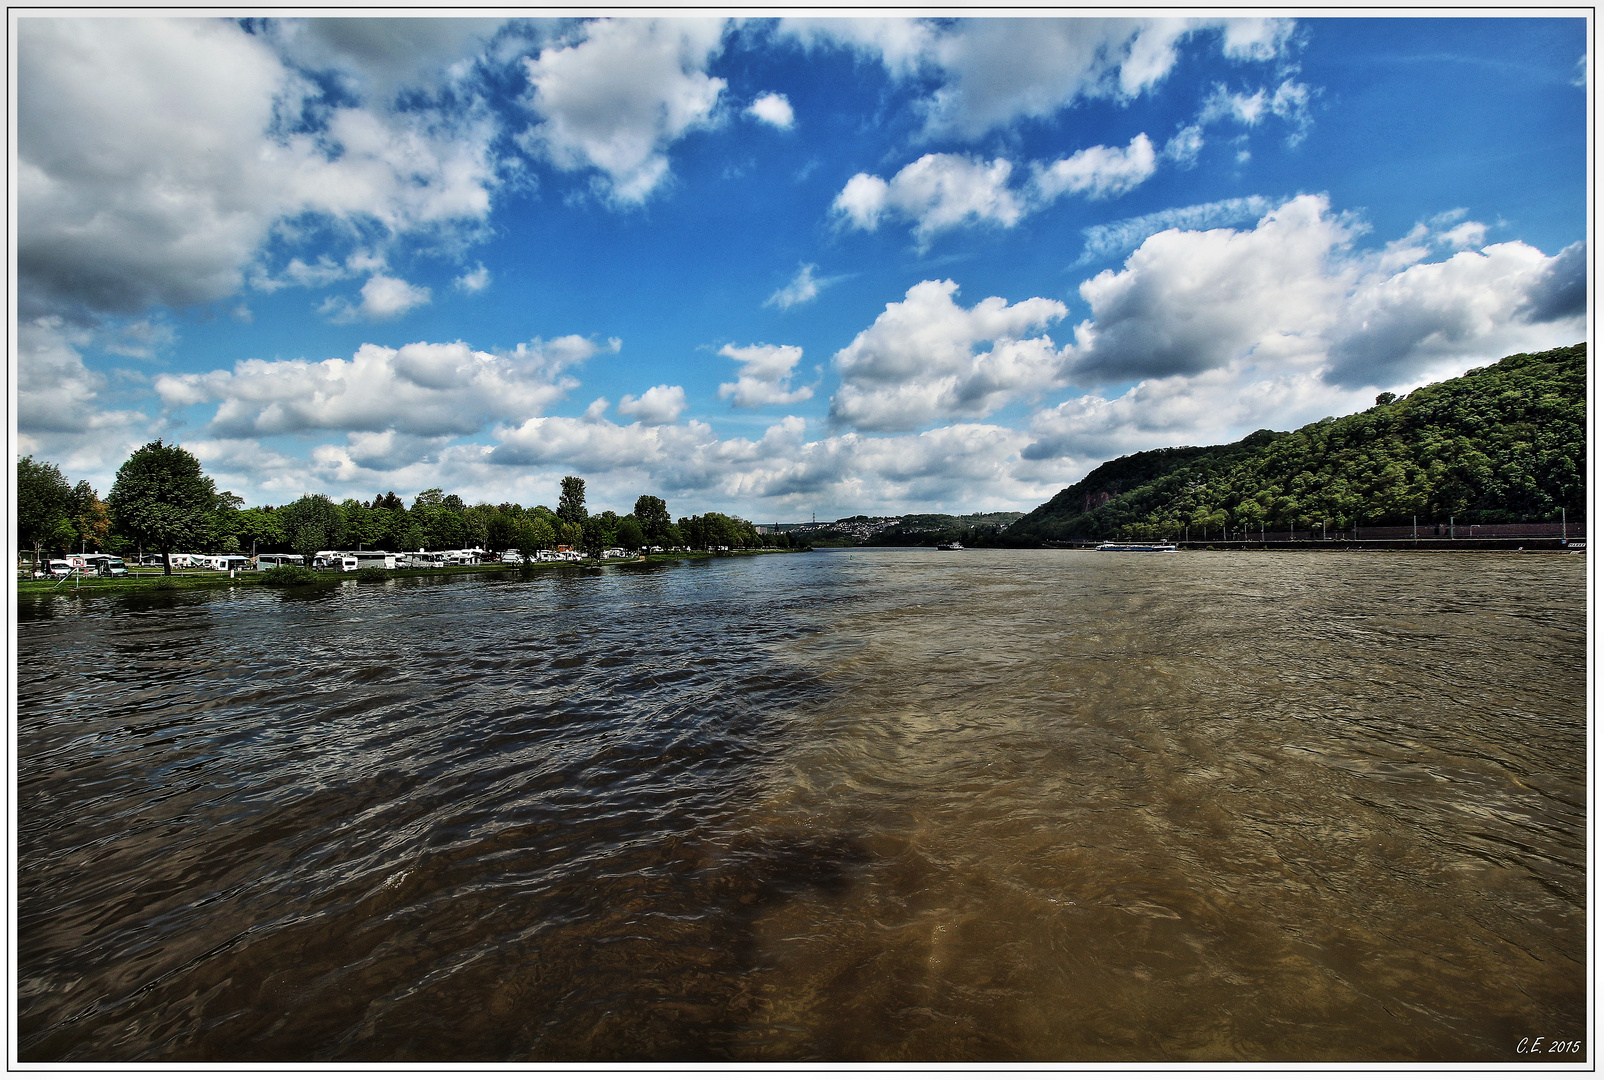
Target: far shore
[146, 580]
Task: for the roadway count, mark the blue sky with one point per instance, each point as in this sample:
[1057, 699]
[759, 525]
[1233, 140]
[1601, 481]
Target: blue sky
[773, 267]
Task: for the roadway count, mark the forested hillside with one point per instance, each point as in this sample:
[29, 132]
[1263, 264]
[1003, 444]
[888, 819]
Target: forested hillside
[1507, 442]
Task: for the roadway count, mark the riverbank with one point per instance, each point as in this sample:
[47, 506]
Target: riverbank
[210, 579]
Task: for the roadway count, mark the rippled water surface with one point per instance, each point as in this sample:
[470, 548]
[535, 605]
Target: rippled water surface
[846, 805]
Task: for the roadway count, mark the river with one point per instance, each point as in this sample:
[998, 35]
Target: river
[851, 805]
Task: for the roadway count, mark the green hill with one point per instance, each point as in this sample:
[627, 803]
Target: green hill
[1507, 442]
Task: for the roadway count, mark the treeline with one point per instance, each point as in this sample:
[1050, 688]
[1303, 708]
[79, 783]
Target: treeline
[1503, 443]
[928, 530]
[163, 502]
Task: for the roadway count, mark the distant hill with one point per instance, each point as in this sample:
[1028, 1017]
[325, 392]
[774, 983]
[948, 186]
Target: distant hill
[1507, 442]
[908, 529]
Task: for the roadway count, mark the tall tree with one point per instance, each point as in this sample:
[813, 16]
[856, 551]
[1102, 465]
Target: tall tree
[571, 504]
[162, 499]
[312, 524]
[652, 513]
[630, 535]
[44, 502]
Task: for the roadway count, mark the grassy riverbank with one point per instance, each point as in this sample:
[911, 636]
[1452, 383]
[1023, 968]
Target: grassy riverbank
[146, 581]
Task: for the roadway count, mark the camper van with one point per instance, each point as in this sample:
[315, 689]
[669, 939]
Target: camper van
[267, 562]
[334, 560]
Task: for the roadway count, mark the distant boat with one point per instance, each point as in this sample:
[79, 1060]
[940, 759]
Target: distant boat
[1135, 547]
[951, 546]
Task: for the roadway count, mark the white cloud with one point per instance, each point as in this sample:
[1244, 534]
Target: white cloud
[765, 376]
[1256, 38]
[1189, 301]
[773, 109]
[1290, 296]
[995, 72]
[385, 297]
[657, 406]
[616, 99]
[1101, 172]
[945, 191]
[475, 280]
[422, 389]
[1128, 233]
[1289, 102]
[376, 57]
[918, 363]
[1450, 314]
[1467, 234]
[802, 288]
[1185, 145]
[154, 156]
[56, 392]
[937, 192]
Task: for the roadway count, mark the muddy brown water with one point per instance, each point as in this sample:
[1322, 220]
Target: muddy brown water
[862, 805]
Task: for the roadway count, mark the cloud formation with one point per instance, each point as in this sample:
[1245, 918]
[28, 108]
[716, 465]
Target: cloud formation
[423, 389]
[939, 192]
[993, 73]
[616, 97]
[765, 376]
[774, 110]
[802, 288]
[163, 192]
[657, 406]
[1099, 172]
[919, 363]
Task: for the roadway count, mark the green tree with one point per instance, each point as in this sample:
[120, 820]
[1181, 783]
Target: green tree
[311, 524]
[162, 499]
[592, 538]
[44, 502]
[571, 503]
[652, 513]
[630, 534]
[259, 526]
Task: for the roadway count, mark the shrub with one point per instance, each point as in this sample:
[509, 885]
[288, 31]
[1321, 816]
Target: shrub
[372, 574]
[288, 575]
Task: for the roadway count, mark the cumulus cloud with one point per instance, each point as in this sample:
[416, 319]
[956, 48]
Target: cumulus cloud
[659, 405]
[155, 155]
[937, 192]
[423, 389]
[378, 57]
[56, 392]
[616, 98]
[765, 376]
[919, 363]
[945, 191]
[992, 73]
[1189, 301]
[1290, 295]
[1474, 304]
[962, 465]
[773, 109]
[1099, 172]
[383, 297]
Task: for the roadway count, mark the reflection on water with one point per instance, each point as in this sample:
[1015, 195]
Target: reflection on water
[853, 805]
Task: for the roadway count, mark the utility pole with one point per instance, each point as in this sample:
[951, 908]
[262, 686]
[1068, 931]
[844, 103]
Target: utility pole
[1564, 535]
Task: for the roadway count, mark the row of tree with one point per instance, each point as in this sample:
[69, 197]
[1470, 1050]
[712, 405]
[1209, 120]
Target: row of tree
[1507, 442]
[162, 501]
